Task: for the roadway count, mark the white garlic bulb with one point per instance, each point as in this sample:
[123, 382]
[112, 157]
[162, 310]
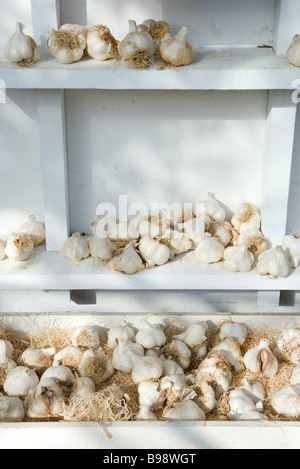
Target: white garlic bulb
[209, 250]
[238, 259]
[150, 335]
[86, 337]
[195, 227]
[206, 398]
[123, 231]
[254, 389]
[62, 374]
[231, 349]
[35, 230]
[11, 409]
[295, 378]
[177, 50]
[243, 408]
[274, 262]
[75, 248]
[99, 247]
[287, 401]
[291, 245]
[37, 358]
[153, 252]
[6, 349]
[150, 226]
[76, 28]
[224, 232]
[260, 359]
[176, 213]
[137, 44]
[159, 31]
[82, 387]
[145, 368]
[145, 414]
[49, 403]
[95, 364]
[127, 260]
[253, 240]
[216, 371]
[194, 335]
[234, 329]
[170, 367]
[18, 247]
[22, 49]
[293, 52]
[174, 385]
[69, 356]
[101, 45]
[181, 351]
[2, 249]
[210, 207]
[184, 409]
[118, 334]
[247, 217]
[66, 46]
[49, 383]
[122, 358]
[151, 394]
[179, 243]
[20, 382]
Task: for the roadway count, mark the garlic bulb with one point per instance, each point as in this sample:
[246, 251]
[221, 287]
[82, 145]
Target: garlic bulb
[194, 335]
[179, 352]
[122, 358]
[174, 385]
[288, 344]
[69, 356]
[206, 398]
[35, 230]
[11, 409]
[260, 359]
[22, 49]
[210, 207]
[82, 387]
[2, 249]
[234, 329]
[49, 383]
[238, 259]
[243, 408]
[20, 382]
[151, 394]
[66, 46]
[291, 245]
[184, 409]
[287, 401]
[76, 28]
[253, 389]
[49, 403]
[179, 243]
[101, 45]
[177, 213]
[75, 248]
[215, 370]
[231, 349]
[99, 247]
[119, 334]
[62, 374]
[86, 337]
[209, 250]
[137, 46]
[151, 226]
[159, 31]
[176, 50]
[145, 414]
[6, 349]
[150, 335]
[295, 378]
[253, 240]
[293, 52]
[37, 358]
[153, 252]
[195, 228]
[224, 232]
[145, 368]
[247, 217]
[127, 260]
[274, 262]
[95, 364]
[18, 247]
[170, 367]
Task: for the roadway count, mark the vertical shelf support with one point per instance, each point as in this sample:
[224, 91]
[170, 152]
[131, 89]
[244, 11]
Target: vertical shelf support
[286, 24]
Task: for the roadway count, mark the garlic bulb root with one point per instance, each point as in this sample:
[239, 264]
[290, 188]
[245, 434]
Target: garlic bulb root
[18, 247]
[137, 47]
[65, 46]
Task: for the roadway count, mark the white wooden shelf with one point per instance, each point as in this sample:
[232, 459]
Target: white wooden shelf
[222, 68]
[50, 271]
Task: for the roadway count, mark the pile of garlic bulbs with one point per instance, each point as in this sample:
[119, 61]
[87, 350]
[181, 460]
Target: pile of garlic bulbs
[72, 42]
[154, 239]
[20, 245]
[163, 370]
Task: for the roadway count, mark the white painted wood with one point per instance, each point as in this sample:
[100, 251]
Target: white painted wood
[268, 298]
[49, 271]
[287, 24]
[222, 68]
[45, 17]
[51, 116]
[279, 152]
[59, 297]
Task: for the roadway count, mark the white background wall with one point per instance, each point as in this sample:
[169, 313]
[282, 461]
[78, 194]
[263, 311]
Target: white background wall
[153, 146]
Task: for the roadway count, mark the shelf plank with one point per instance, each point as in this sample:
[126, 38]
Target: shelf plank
[222, 68]
[46, 270]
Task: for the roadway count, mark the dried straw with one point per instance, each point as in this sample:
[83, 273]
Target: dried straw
[246, 214]
[158, 31]
[63, 39]
[141, 60]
